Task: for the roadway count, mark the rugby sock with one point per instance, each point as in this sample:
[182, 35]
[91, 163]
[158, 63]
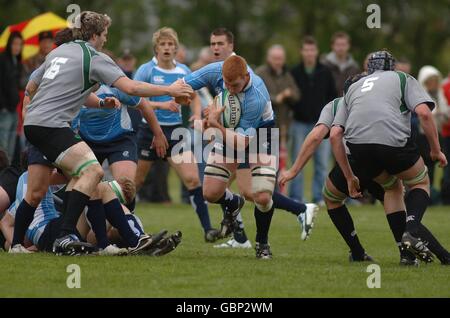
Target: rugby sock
[239, 233]
[200, 207]
[132, 205]
[66, 200]
[263, 220]
[96, 217]
[433, 244]
[416, 202]
[283, 202]
[343, 221]
[134, 224]
[23, 219]
[397, 223]
[115, 216]
[229, 201]
[76, 202]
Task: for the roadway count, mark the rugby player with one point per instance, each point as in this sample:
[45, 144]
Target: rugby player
[376, 119]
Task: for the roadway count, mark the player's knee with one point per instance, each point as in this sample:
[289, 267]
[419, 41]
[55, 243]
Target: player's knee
[212, 195]
[262, 198]
[94, 173]
[421, 180]
[247, 194]
[263, 183]
[192, 182]
[35, 196]
[391, 184]
[263, 201]
[332, 198]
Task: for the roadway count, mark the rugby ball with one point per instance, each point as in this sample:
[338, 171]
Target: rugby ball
[232, 113]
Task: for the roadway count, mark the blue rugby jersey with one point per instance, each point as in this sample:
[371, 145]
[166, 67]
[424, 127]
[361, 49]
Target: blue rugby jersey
[105, 125]
[256, 107]
[45, 212]
[151, 73]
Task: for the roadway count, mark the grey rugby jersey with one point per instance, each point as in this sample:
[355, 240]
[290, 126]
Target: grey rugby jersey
[67, 77]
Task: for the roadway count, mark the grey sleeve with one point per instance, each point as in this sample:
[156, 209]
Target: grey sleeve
[326, 116]
[415, 94]
[342, 114]
[104, 70]
[37, 74]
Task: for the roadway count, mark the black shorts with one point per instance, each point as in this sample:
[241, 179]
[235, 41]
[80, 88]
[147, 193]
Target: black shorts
[123, 149]
[262, 143]
[376, 158]
[50, 234]
[35, 157]
[51, 141]
[145, 138]
[338, 179]
[8, 181]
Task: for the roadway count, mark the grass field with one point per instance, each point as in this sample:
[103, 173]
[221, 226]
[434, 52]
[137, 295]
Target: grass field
[315, 268]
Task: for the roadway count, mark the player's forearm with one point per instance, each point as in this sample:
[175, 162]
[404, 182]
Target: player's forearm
[306, 152]
[430, 130]
[155, 105]
[92, 101]
[148, 90]
[196, 106]
[150, 117]
[339, 152]
[232, 139]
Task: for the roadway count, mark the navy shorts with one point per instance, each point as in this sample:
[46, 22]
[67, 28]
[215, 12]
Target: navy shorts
[145, 138]
[376, 158]
[36, 157]
[262, 144]
[51, 141]
[123, 149]
[337, 177]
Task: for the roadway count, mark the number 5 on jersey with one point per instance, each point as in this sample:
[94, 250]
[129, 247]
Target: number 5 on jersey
[53, 70]
[368, 84]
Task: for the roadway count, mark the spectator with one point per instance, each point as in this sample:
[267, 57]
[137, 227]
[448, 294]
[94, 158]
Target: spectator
[204, 58]
[403, 65]
[339, 60]
[430, 78]
[281, 86]
[317, 86]
[46, 44]
[11, 72]
[181, 56]
[445, 186]
[127, 62]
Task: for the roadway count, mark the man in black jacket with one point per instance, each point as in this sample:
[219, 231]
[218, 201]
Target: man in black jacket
[316, 83]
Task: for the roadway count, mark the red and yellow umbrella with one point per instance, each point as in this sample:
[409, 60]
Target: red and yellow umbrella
[30, 30]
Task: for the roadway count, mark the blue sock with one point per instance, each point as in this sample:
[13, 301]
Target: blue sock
[23, 219]
[229, 201]
[96, 216]
[263, 220]
[283, 202]
[115, 216]
[239, 232]
[135, 224]
[200, 207]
